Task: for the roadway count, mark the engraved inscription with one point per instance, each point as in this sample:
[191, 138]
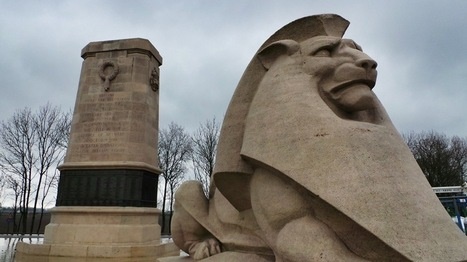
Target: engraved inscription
[112, 126]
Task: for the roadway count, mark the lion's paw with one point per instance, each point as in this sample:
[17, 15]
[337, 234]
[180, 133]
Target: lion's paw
[205, 248]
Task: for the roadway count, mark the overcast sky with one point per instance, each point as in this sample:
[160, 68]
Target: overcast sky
[420, 47]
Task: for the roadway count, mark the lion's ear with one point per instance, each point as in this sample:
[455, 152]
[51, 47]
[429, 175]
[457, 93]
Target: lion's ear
[272, 52]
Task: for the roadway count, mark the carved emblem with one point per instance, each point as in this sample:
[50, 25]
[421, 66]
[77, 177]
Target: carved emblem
[110, 74]
[154, 80]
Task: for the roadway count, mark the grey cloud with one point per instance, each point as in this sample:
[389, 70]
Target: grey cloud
[206, 46]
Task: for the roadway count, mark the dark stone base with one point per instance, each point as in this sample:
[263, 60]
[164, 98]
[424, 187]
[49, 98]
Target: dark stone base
[107, 187]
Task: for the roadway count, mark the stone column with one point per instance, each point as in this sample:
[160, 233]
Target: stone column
[107, 194]
[112, 154]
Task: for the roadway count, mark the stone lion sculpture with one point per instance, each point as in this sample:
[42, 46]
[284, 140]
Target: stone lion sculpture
[309, 166]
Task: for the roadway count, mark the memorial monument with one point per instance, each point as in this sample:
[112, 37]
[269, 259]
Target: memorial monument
[107, 194]
[309, 166]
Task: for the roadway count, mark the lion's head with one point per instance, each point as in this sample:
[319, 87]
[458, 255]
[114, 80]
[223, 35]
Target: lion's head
[343, 75]
[305, 81]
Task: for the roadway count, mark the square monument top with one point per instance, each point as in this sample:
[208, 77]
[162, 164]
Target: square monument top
[138, 45]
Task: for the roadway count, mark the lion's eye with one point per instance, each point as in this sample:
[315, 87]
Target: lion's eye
[359, 48]
[323, 53]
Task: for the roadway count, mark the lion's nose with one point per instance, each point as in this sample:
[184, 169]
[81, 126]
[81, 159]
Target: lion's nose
[367, 63]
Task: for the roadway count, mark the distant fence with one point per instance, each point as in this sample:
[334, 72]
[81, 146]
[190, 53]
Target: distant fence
[6, 222]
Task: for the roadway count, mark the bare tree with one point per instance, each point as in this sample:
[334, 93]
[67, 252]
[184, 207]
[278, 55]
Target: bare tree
[51, 127]
[174, 152]
[50, 181]
[205, 141]
[2, 186]
[13, 184]
[32, 144]
[17, 139]
[443, 160]
[173, 186]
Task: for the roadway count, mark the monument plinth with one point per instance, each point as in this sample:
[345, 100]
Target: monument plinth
[107, 194]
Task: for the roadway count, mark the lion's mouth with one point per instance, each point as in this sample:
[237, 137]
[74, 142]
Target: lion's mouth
[351, 83]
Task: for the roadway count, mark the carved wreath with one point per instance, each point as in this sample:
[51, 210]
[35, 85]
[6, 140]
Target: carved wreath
[154, 80]
[109, 77]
